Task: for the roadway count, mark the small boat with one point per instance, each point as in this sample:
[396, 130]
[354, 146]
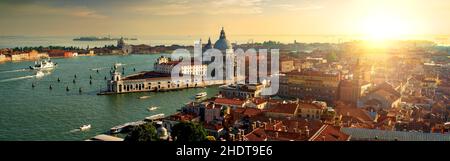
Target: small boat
[152, 108]
[45, 64]
[144, 97]
[121, 128]
[40, 74]
[85, 127]
[154, 117]
[201, 95]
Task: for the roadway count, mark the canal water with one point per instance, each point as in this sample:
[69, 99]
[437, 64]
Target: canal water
[38, 113]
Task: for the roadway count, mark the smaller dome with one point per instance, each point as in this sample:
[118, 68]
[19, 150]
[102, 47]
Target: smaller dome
[222, 43]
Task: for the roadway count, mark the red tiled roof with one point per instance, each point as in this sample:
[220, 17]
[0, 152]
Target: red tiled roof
[309, 106]
[258, 134]
[248, 111]
[385, 87]
[182, 117]
[329, 133]
[258, 101]
[215, 127]
[229, 101]
[288, 108]
[353, 112]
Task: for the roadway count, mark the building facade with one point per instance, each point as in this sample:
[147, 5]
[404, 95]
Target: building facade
[308, 85]
[193, 67]
[242, 91]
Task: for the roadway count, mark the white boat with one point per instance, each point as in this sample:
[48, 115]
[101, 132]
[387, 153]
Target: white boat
[85, 127]
[120, 128]
[144, 97]
[201, 95]
[45, 64]
[152, 108]
[155, 117]
[39, 74]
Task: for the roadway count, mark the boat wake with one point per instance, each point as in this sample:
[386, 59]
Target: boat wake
[18, 78]
[12, 71]
[100, 68]
[74, 130]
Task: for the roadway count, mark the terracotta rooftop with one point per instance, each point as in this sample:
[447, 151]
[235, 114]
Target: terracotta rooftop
[181, 117]
[352, 111]
[213, 126]
[248, 111]
[258, 101]
[309, 106]
[258, 134]
[288, 108]
[329, 133]
[385, 87]
[229, 101]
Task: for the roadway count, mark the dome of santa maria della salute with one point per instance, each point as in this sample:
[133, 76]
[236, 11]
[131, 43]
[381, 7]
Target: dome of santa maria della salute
[222, 44]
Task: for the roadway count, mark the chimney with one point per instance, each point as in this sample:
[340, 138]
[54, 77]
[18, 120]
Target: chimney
[306, 131]
[239, 136]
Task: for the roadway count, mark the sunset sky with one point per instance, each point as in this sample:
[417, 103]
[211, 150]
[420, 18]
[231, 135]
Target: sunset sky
[374, 18]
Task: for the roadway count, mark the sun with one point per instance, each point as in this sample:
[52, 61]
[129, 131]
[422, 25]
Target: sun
[383, 26]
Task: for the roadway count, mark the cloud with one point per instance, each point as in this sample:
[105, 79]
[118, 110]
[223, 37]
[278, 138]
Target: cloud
[33, 9]
[210, 7]
[87, 14]
[291, 7]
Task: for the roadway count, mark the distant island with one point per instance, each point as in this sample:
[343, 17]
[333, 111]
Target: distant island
[92, 38]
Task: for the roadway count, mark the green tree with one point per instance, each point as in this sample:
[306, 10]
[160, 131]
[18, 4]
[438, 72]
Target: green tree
[188, 132]
[332, 57]
[144, 132]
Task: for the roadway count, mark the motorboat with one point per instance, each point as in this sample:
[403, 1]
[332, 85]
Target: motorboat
[144, 97]
[121, 128]
[152, 108]
[201, 95]
[155, 117]
[85, 127]
[39, 74]
[44, 64]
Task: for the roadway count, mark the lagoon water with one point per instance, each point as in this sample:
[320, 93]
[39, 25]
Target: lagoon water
[39, 113]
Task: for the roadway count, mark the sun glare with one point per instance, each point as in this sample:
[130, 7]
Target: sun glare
[382, 26]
